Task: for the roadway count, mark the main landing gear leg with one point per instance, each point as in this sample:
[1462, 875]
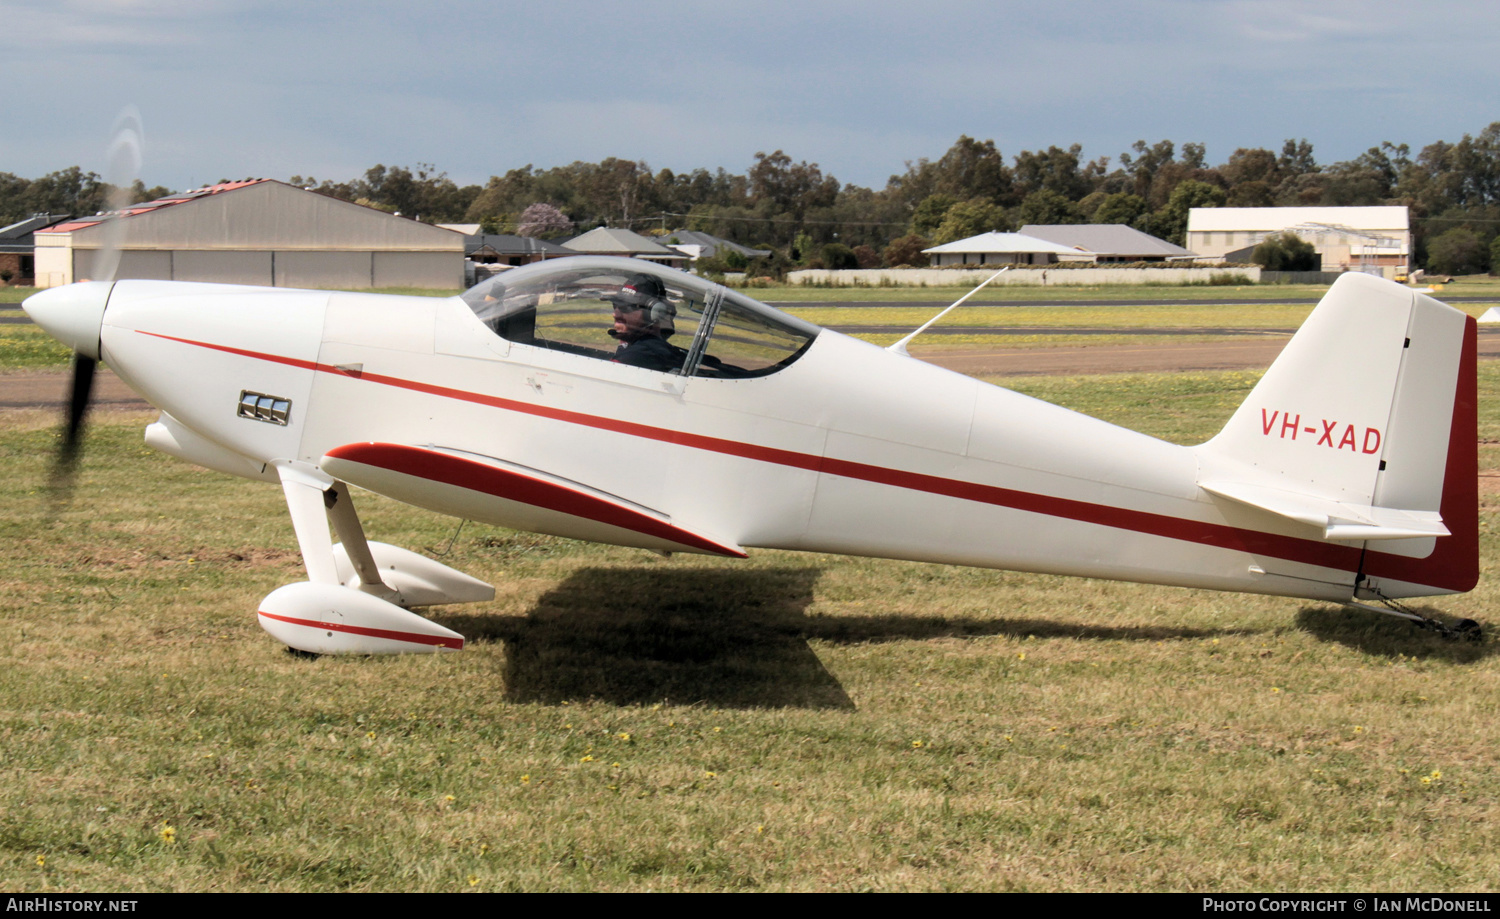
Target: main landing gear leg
[357, 595]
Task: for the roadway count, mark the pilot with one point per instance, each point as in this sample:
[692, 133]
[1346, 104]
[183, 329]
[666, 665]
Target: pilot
[643, 323]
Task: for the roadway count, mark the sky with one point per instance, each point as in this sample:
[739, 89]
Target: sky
[239, 88]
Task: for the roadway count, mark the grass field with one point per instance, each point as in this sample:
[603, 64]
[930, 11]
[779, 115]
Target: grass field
[621, 721]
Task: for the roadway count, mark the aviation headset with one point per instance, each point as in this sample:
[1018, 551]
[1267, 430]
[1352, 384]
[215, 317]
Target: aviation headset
[646, 292]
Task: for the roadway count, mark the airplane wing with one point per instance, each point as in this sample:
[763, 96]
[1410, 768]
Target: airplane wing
[478, 487]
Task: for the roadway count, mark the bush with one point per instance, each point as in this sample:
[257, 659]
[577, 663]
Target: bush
[1286, 252]
[837, 256]
[773, 267]
[1228, 279]
[907, 250]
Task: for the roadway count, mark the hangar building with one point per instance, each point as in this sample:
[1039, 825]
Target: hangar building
[1372, 239]
[258, 232]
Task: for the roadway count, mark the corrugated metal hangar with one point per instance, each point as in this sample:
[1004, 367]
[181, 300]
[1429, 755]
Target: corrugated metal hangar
[258, 232]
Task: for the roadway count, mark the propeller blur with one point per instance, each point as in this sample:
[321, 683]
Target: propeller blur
[626, 403]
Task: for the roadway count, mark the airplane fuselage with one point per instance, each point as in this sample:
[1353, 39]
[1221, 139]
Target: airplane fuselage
[850, 449]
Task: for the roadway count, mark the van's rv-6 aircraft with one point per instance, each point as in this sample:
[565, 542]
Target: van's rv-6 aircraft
[1348, 475]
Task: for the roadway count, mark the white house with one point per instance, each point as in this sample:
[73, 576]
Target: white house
[1000, 249]
[1108, 242]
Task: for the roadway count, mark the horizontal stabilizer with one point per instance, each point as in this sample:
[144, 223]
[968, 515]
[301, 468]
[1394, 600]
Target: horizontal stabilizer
[1337, 519]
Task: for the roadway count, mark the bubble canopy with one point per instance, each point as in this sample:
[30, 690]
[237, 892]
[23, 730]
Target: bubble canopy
[639, 313]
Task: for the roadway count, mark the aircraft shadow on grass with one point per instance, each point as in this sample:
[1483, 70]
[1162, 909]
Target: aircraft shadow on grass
[732, 639]
[628, 636]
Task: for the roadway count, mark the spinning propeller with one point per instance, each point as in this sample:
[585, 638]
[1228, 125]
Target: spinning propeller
[75, 313]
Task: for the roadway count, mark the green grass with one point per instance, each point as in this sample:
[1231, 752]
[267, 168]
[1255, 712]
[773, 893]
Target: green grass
[1143, 292]
[1467, 285]
[24, 346]
[1147, 315]
[621, 721]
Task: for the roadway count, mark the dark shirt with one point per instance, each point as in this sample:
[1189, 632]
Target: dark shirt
[651, 353]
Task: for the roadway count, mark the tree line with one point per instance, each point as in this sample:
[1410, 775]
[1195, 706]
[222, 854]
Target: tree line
[807, 217]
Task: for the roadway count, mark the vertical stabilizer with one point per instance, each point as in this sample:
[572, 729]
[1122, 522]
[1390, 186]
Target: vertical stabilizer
[1365, 428]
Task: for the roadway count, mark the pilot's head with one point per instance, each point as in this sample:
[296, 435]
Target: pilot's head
[642, 309]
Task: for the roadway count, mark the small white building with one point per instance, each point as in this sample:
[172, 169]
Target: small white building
[626, 244]
[696, 245]
[1001, 249]
[1372, 239]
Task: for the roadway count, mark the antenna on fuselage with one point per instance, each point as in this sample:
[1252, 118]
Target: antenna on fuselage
[900, 346]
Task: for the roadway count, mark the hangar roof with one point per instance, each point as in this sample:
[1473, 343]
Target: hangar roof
[148, 206]
[258, 214]
[507, 244]
[1271, 219]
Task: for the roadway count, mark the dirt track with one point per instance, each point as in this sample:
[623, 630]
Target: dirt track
[1157, 357]
[48, 388]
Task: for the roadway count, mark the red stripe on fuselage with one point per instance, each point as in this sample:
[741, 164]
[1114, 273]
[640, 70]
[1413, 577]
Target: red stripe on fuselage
[1255, 542]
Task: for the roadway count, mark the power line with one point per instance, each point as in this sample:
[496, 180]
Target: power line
[835, 223]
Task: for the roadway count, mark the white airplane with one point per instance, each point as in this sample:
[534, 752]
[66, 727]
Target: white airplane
[622, 402]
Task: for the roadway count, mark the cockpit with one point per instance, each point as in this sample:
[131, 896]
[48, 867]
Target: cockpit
[641, 314]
